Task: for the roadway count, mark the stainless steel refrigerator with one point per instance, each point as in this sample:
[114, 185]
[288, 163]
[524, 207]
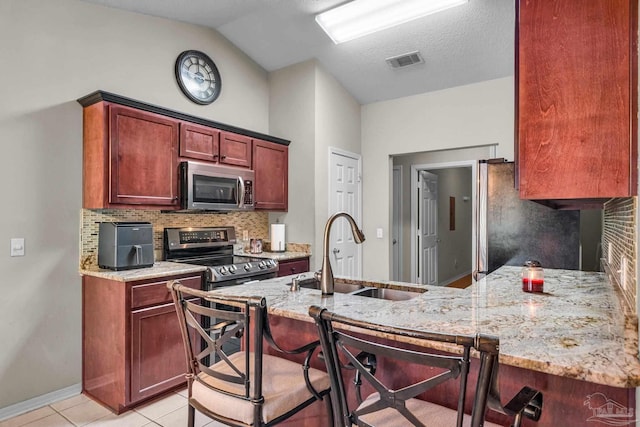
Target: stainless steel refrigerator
[511, 231]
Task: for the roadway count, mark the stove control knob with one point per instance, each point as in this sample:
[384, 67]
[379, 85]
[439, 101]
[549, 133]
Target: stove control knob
[247, 266]
[232, 269]
[223, 270]
[262, 264]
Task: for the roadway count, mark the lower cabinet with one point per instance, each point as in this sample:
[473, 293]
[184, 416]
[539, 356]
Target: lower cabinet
[293, 266]
[131, 344]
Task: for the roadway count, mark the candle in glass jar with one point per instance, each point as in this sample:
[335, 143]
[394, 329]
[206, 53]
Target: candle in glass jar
[532, 277]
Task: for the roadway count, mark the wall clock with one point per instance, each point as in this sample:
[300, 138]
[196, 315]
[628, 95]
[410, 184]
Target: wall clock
[198, 77]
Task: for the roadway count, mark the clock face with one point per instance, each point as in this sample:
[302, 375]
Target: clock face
[198, 77]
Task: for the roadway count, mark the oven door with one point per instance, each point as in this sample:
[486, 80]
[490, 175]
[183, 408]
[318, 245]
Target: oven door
[234, 345]
[233, 282]
[211, 187]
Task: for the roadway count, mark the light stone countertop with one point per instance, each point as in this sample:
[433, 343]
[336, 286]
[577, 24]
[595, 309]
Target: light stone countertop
[576, 329]
[159, 269]
[280, 256]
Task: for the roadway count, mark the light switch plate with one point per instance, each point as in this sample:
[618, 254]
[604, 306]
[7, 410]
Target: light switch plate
[17, 246]
[379, 233]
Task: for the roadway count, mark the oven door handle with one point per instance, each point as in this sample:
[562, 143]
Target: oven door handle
[240, 193]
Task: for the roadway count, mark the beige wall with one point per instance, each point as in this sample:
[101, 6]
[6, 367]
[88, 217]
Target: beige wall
[337, 126]
[291, 115]
[465, 116]
[54, 53]
[312, 109]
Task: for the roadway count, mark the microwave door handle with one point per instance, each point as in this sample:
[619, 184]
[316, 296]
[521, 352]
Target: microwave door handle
[240, 193]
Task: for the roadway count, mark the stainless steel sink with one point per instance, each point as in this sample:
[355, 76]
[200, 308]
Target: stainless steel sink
[363, 291]
[343, 288]
[388, 294]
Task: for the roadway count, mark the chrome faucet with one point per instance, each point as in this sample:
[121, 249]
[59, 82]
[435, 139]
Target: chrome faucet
[326, 274]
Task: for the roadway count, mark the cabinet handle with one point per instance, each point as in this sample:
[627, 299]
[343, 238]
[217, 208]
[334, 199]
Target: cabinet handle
[223, 157]
[293, 270]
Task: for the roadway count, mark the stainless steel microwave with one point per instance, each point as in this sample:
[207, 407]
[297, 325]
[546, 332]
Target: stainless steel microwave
[205, 186]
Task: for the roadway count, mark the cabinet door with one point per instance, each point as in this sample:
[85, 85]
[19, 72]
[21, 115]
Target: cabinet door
[577, 98]
[235, 150]
[199, 142]
[271, 168]
[144, 156]
[158, 361]
[297, 266]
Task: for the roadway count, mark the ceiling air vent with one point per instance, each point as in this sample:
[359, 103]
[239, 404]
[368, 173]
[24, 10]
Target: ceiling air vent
[405, 60]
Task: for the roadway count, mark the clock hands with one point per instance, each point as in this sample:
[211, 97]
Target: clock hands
[196, 75]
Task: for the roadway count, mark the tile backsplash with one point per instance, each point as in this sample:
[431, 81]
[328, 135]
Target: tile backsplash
[256, 223]
[619, 251]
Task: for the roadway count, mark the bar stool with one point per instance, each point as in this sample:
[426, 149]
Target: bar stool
[440, 360]
[247, 387]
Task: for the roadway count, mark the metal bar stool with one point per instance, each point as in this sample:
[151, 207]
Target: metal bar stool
[247, 387]
[347, 353]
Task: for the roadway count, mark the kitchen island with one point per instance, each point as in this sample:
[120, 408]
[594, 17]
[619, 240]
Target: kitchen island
[576, 342]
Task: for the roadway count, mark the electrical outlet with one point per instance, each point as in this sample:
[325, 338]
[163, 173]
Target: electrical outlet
[623, 273]
[17, 246]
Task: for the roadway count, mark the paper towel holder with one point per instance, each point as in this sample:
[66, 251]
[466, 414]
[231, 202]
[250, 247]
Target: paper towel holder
[277, 238]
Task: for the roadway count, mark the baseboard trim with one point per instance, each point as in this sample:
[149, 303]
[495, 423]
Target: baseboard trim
[39, 401]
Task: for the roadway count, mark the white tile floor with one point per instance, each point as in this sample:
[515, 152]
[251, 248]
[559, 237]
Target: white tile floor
[77, 411]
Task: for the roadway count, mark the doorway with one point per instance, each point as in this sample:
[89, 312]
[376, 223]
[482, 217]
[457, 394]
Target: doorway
[466, 156]
[443, 231]
[345, 195]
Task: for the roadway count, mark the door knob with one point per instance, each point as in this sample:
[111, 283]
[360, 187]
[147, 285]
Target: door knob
[335, 251]
[395, 241]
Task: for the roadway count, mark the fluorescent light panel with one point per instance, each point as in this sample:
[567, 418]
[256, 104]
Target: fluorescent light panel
[361, 17]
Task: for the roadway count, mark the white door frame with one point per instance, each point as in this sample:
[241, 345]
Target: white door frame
[396, 220]
[414, 208]
[338, 151]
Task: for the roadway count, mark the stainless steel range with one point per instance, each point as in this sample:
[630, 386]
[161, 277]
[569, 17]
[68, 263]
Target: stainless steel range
[213, 247]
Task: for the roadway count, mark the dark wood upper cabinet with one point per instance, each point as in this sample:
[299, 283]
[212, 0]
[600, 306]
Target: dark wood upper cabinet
[144, 160]
[199, 142]
[271, 168]
[129, 158]
[131, 152]
[210, 144]
[576, 99]
[235, 150]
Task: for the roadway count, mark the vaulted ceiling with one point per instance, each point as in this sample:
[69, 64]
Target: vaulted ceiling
[463, 45]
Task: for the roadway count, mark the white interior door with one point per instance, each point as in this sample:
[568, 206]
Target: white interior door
[396, 229]
[428, 228]
[345, 196]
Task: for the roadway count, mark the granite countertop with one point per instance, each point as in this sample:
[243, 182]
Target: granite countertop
[280, 256]
[576, 329]
[159, 269]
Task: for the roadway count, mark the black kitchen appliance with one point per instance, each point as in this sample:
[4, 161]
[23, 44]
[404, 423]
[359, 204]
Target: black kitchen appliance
[512, 231]
[125, 245]
[213, 247]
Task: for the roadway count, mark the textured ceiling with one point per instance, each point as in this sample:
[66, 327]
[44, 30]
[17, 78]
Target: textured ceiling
[463, 45]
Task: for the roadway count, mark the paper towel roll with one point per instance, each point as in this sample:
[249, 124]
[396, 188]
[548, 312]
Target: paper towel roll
[277, 238]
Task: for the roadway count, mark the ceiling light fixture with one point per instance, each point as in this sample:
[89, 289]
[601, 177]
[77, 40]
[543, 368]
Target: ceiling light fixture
[361, 17]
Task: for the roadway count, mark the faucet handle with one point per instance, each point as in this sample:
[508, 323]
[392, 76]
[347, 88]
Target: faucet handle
[295, 283]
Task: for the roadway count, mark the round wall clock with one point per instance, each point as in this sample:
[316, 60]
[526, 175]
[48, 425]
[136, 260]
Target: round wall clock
[198, 77]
